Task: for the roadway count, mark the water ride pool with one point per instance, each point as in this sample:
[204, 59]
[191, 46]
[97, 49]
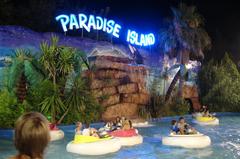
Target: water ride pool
[225, 143]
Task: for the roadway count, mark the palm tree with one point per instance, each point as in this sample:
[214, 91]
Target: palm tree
[185, 38]
[58, 61]
[178, 76]
[78, 97]
[24, 71]
[165, 78]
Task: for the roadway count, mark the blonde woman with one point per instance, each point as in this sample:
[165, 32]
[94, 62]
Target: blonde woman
[31, 136]
[78, 128]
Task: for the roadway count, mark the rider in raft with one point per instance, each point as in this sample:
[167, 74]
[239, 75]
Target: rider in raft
[181, 127]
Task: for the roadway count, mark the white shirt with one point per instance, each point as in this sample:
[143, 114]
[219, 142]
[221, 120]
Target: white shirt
[86, 132]
[78, 132]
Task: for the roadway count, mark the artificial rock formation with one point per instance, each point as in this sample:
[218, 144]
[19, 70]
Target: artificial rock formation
[191, 92]
[119, 86]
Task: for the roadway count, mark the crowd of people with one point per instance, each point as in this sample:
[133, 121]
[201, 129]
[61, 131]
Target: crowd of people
[120, 123]
[34, 126]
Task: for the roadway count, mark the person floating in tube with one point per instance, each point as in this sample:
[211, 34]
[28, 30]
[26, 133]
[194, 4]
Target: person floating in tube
[205, 111]
[185, 128]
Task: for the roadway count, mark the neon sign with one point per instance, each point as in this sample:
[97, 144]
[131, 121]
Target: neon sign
[91, 22]
[140, 39]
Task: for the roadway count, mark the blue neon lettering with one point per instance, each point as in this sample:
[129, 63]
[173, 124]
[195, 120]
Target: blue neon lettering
[133, 35]
[110, 24]
[104, 24]
[64, 19]
[116, 30]
[91, 22]
[82, 21]
[151, 39]
[137, 42]
[140, 39]
[73, 22]
[128, 35]
[99, 22]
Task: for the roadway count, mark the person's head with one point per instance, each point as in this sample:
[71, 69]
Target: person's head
[79, 124]
[31, 134]
[118, 119]
[93, 131]
[173, 122]
[107, 124]
[87, 125]
[126, 125]
[181, 120]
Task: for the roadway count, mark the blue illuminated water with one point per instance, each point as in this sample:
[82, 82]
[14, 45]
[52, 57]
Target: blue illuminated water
[225, 143]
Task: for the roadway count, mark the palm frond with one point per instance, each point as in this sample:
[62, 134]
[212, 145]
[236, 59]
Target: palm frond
[185, 33]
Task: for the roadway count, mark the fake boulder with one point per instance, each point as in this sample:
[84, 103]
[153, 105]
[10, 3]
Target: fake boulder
[117, 83]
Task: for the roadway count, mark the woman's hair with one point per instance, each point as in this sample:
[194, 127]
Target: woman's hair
[173, 122]
[87, 125]
[78, 124]
[130, 123]
[181, 118]
[31, 134]
[118, 119]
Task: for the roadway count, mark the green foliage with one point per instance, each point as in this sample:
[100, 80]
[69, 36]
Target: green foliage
[52, 105]
[23, 63]
[10, 110]
[52, 85]
[81, 105]
[144, 113]
[220, 85]
[158, 107]
[185, 33]
[185, 37]
[58, 61]
[38, 93]
[177, 106]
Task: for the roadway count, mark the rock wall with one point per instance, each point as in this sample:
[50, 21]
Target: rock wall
[191, 93]
[119, 86]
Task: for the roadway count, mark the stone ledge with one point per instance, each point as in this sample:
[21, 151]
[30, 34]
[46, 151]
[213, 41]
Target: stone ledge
[128, 88]
[137, 98]
[127, 110]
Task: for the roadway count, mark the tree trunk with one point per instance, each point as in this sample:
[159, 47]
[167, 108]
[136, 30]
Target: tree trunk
[21, 88]
[164, 86]
[62, 117]
[180, 89]
[184, 59]
[53, 111]
[172, 85]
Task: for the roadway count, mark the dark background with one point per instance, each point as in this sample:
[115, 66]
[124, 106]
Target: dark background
[222, 18]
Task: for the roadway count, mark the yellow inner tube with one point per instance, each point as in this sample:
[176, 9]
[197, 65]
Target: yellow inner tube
[78, 139]
[205, 119]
